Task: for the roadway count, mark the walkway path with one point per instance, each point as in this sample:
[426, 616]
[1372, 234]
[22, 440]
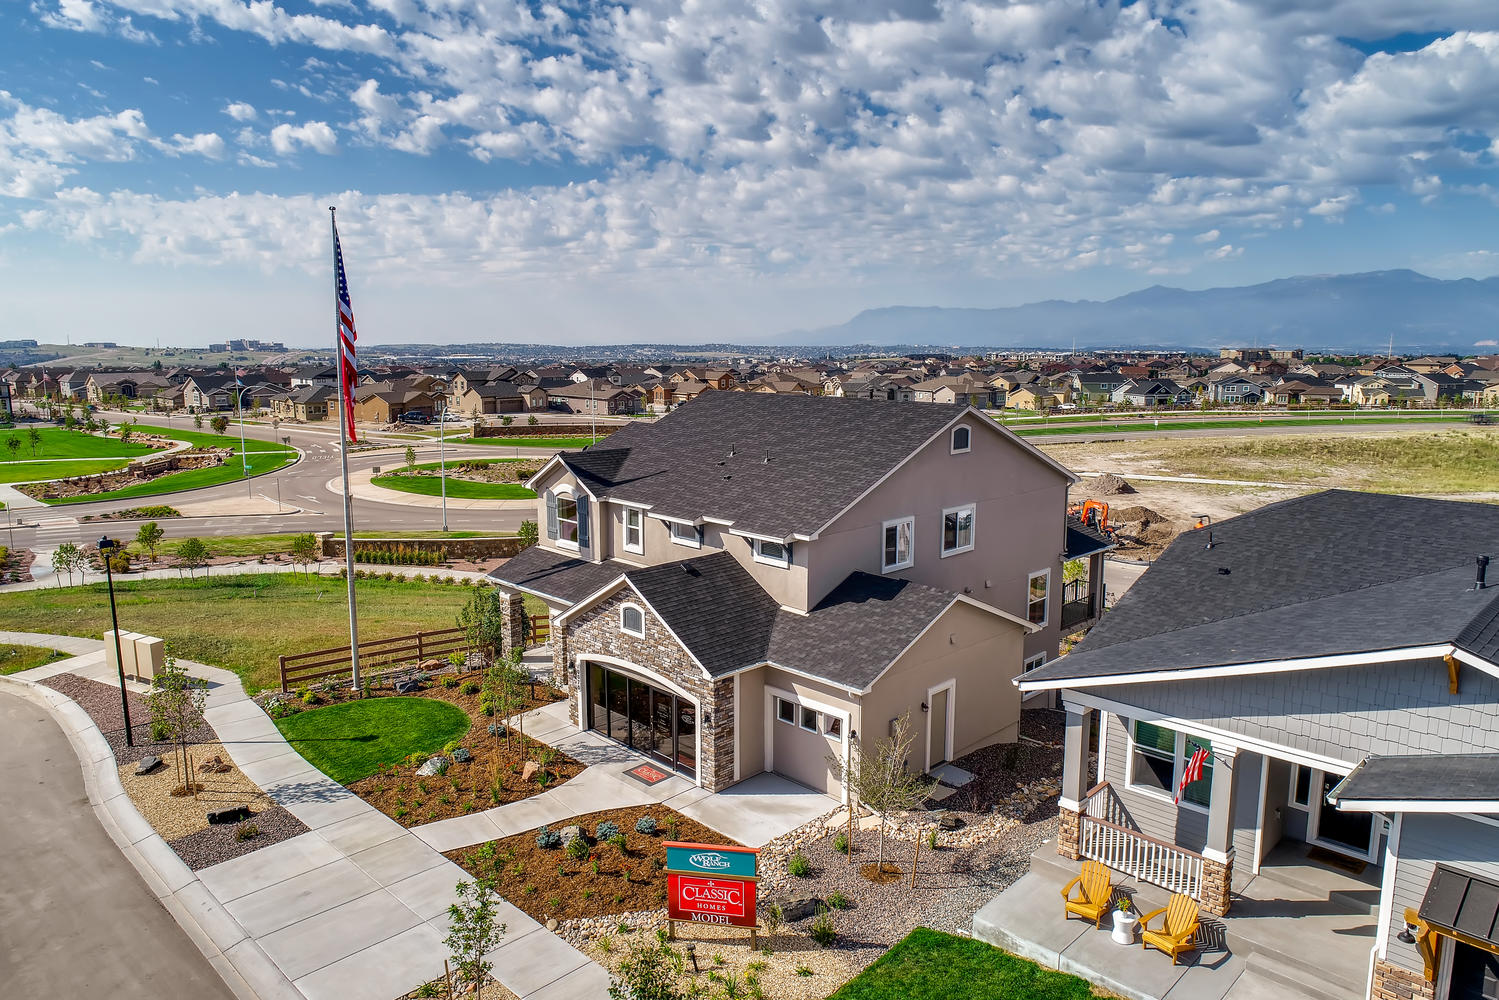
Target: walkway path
[355, 909]
[77, 922]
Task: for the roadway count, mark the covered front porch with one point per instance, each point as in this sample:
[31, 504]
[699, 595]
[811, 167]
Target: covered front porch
[1298, 930]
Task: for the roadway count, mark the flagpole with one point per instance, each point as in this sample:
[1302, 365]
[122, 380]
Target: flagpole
[239, 406]
[343, 455]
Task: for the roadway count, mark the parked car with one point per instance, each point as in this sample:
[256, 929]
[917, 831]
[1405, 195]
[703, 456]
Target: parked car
[414, 418]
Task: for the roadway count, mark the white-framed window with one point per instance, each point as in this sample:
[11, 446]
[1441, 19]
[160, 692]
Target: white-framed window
[1157, 758]
[896, 549]
[634, 531]
[786, 711]
[957, 530]
[810, 720]
[962, 440]
[567, 519]
[832, 726]
[771, 553]
[685, 534]
[632, 620]
[1033, 662]
[1037, 597]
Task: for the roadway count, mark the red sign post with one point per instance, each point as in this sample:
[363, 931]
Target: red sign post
[702, 900]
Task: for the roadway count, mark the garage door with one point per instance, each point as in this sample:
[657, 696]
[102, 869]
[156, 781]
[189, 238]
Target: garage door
[801, 740]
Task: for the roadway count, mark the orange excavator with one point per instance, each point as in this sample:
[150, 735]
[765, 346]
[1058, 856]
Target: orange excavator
[1093, 513]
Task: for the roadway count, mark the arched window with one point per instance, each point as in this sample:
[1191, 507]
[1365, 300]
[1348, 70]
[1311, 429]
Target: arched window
[632, 621]
[962, 439]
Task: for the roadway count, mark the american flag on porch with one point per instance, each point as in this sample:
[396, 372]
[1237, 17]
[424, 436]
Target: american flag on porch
[346, 336]
[1192, 772]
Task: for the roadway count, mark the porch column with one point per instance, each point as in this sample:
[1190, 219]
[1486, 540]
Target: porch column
[512, 624]
[1218, 870]
[1074, 779]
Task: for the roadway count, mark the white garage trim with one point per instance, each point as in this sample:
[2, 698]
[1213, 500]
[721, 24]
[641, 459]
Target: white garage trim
[771, 694]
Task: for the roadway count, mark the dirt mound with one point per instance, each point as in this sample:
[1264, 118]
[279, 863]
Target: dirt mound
[1129, 515]
[1107, 485]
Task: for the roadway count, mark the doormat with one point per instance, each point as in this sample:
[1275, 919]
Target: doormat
[648, 775]
[1333, 859]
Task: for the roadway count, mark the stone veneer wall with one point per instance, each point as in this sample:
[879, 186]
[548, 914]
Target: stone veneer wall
[1217, 881]
[1391, 982]
[597, 631]
[1067, 834]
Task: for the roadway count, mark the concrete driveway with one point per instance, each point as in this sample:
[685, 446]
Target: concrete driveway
[77, 920]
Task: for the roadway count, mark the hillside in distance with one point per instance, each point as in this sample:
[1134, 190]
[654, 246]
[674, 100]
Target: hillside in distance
[1354, 312]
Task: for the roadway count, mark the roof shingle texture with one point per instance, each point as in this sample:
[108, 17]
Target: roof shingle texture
[1466, 777]
[1326, 574]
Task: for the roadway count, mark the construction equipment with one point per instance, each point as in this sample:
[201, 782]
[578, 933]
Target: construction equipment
[1094, 514]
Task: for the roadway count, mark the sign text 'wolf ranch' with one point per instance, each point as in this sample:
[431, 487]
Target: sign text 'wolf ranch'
[712, 859]
[710, 900]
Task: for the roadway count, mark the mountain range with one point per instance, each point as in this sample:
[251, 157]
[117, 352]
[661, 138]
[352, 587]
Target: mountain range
[1334, 312]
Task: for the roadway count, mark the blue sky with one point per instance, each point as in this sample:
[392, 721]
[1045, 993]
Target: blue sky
[718, 169]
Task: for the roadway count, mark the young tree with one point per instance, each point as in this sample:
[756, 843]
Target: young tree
[219, 423]
[528, 534]
[149, 536]
[481, 621]
[13, 445]
[34, 437]
[65, 559]
[474, 931]
[880, 779]
[191, 554]
[197, 421]
[126, 430]
[502, 694]
[651, 972]
[410, 459]
[176, 704]
[304, 549]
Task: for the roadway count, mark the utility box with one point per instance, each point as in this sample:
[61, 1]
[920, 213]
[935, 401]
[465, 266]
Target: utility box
[150, 657]
[122, 660]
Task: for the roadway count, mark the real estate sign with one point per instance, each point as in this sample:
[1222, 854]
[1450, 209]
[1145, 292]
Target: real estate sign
[710, 859]
[710, 900]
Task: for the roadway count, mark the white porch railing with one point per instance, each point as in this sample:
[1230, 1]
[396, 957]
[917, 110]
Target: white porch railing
[1102, 836]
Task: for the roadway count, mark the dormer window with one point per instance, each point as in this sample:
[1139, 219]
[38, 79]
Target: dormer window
[962, 440]
[632, 621]
[686, 534]
[772, 553]
[567, 519]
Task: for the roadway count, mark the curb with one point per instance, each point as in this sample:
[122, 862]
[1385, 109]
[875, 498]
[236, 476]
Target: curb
[245, 968]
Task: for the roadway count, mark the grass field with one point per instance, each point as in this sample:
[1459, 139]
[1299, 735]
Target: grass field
[32, 472]
[242, 623]
[265, 545]
[14, 659]
[264, 456]
[929, 965]
[1147, 425]
[530, 442]
[355, 739]
[1416, 461]
[60, 443]
[458, 489]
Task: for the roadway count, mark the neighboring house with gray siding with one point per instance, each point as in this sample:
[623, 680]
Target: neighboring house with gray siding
[755, 581]
[1352, 712]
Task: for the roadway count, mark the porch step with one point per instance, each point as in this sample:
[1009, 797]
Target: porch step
[1287, 978]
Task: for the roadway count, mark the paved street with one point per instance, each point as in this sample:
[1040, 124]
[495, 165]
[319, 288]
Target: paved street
[75, 918]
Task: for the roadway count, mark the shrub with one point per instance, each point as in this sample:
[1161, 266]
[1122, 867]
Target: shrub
[822, 930]
[645, 825]
[246, 831]
[931, 839]
[798, 866]
[803, 971]
[450, 746]
[311, 697]
[450, 681]
[773, 918]
[548, 839]
[838, 900]
[577, 849]
[618, 841]
[471, 687]
[840, 843]
[606, 831]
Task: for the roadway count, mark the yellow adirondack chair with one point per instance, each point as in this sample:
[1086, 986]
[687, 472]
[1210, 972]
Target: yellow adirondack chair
[1177, 929]
[1095, 892]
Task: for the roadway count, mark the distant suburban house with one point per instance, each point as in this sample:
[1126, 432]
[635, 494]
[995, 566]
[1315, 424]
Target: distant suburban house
[596, 397]
[1152, 393]
[386, 403]
[1349, 714]
[127, 385]
[489, 397]
[308, 403]
[314, 375]
[1031, 397]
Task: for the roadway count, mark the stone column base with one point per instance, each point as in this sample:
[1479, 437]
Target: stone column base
[1391, 982]
[1217, 883]
[512, 625]
[1067, 834]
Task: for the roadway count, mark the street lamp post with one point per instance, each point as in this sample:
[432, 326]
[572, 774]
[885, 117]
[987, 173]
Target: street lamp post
[107, 547]
[442, 458]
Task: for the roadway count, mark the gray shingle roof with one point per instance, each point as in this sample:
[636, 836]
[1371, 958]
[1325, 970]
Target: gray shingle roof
[1331, 573]
[774, 465]
[551, 574]
[1467, 777]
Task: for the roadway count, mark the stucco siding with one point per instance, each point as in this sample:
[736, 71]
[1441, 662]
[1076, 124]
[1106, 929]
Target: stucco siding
[1427, 840]
[750, 756]
[559, 479]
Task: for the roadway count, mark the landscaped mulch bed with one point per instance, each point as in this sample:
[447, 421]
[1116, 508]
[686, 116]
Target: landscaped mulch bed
[220, 843]
[494, 776]
[102, 703]
[549, 883]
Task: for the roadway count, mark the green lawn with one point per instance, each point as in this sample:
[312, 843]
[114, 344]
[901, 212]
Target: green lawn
[354, 740]
[930, 965]
[264, 456]
[531, 442]
[30, 472]
[57, 442]
[14, 659]
[458, 489]
[241, 623]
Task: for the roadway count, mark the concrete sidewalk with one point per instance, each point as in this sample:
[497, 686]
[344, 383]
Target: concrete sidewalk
[355, 909]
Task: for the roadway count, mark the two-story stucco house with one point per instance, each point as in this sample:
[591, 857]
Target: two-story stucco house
[755, 581]
[1337, 656]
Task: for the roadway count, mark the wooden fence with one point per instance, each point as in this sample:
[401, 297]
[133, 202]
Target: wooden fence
[541, 628]
[374, 654]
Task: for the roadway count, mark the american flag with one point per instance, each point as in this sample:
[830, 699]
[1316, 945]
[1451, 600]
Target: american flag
[1192, 772]
[346, 335]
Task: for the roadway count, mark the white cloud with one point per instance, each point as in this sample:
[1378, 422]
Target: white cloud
[86, 16]
[205, 144]
[1208, 237]
[1226, 252]
[240, 111]
[287, 139]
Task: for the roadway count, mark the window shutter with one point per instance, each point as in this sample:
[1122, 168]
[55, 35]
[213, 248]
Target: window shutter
[551, 514]
[583, 522]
